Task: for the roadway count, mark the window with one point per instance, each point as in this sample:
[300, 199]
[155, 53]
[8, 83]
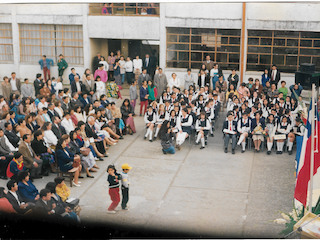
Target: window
[129, 9]
[286, 49]
[187, 47]
[51, 40]
[6, 46]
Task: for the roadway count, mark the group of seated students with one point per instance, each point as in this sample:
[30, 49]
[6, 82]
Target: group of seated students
[177, 114]
[60, 133]
[23, 198]
[263, 114]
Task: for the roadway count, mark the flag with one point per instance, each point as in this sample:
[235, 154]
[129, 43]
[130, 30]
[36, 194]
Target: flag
[303, 177]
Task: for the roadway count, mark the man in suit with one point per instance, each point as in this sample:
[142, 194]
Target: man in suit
[65, 104]
[57, 129]
[85, 100]
[88, 84]
[77, 86]
[30, 159]
[6, 155]
[144, 76]
[147, 63]
[203, 79]
[44, 206]
[274, 75]
[75, 101]
[96, 61]
[92, 133]
[5, 146]
[230, 131]
[51, 112]
[38, 84]
[209, 64]
[12, 137]
[161, 82]
[15, 199]
[15, 83]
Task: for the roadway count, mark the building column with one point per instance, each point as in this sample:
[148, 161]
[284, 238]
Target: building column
[243, 44]
[163, 39]
[86, 40]
[124, 47]
[15, 41]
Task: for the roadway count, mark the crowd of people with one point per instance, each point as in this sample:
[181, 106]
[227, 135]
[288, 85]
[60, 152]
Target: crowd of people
[70, 129]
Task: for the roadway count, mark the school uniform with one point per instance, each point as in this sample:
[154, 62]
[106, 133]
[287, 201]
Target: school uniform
[149, 118]
[228, 127]
[283, 128]
[205, 124]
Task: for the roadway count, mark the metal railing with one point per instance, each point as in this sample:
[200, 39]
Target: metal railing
[124, 9]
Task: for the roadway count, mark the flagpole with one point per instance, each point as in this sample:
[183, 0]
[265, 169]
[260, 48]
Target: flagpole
[312, 147]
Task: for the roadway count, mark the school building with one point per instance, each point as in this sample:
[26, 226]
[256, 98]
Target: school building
[247, 36]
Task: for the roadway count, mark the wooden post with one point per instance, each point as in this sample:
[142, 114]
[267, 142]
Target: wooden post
[242, 44]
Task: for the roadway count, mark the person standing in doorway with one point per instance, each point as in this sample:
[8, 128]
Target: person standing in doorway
[62, 65]
[96, 61]
[111, 61]
[129, 70]
[161, 82]
[45, 64]
[122, 64]
[137, 67]
[274, 75]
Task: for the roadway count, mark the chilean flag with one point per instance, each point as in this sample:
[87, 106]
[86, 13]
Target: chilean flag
[301, 190]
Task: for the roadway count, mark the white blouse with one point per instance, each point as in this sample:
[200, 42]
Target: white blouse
[50, 138]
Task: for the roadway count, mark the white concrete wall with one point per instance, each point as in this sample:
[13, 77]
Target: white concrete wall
[284, 16]
[119, 27]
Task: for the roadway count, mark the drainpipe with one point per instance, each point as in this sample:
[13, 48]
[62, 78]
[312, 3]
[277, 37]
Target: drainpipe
[243, 43]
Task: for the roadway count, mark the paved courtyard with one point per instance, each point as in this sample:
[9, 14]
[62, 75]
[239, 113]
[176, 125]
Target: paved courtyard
[204, 192]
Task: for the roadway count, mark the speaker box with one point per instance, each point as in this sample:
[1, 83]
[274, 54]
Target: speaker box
[306, 79]
[307, 67]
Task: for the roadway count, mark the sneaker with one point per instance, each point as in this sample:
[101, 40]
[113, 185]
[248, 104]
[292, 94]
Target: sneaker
[269, 152]
[112, 212]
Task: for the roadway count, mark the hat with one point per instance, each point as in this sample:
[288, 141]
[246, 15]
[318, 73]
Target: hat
[125, 166]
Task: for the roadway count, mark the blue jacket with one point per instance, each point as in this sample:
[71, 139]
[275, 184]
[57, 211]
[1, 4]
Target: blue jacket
[64, 161]
[83, 101]
[264, 79]
[298, 91]
[143, 93]
[48, 61]
[28, 193]
[71, 77]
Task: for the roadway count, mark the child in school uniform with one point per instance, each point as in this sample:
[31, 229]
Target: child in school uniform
[113, 179]
[125, 185]
[150, 119]
[161, 116]
[202, 127]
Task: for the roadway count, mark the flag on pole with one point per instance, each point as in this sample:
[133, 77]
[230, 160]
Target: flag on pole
[303, 177]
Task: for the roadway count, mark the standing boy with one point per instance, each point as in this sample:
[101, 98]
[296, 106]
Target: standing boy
[125, 185]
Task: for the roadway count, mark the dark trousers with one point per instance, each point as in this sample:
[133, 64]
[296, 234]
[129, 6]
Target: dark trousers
[227, 138]
[125, 197]
[129, 76]
[4, 165]
[61, 73]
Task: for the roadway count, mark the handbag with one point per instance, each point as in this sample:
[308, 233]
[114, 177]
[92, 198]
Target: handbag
[85, 152]
[76, 163]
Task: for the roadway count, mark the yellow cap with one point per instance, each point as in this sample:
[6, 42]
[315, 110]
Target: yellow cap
[125, 166]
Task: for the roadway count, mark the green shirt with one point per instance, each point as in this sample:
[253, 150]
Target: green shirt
[284, 90]
[62, 64]
[151, 93]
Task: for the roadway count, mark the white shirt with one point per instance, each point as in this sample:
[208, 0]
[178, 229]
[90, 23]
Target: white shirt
[122, 64]
[274, 74]
[67, 124]
[50, 138]
[42, 105]
[78, 86]
[173, 83]
[147, 62]
[129, 66]
[105, 64]
[137, 64]
[203, 77]
[58, 110]
[213, 72]
[13, 84]
[8, 143]
[15, 196]
[58, 87]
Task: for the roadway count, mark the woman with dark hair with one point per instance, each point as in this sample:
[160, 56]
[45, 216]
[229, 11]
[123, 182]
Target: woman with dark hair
[46, 154]
[22, 128]
[79, 114]
[166, 136]
[152, 92]
[22, 108]
[127, 116]
[5, 205]
[66, 158]
[51, 87]
[49, 137]
[73, 116]
[26, 189]
[86, 156]
[61, 208]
